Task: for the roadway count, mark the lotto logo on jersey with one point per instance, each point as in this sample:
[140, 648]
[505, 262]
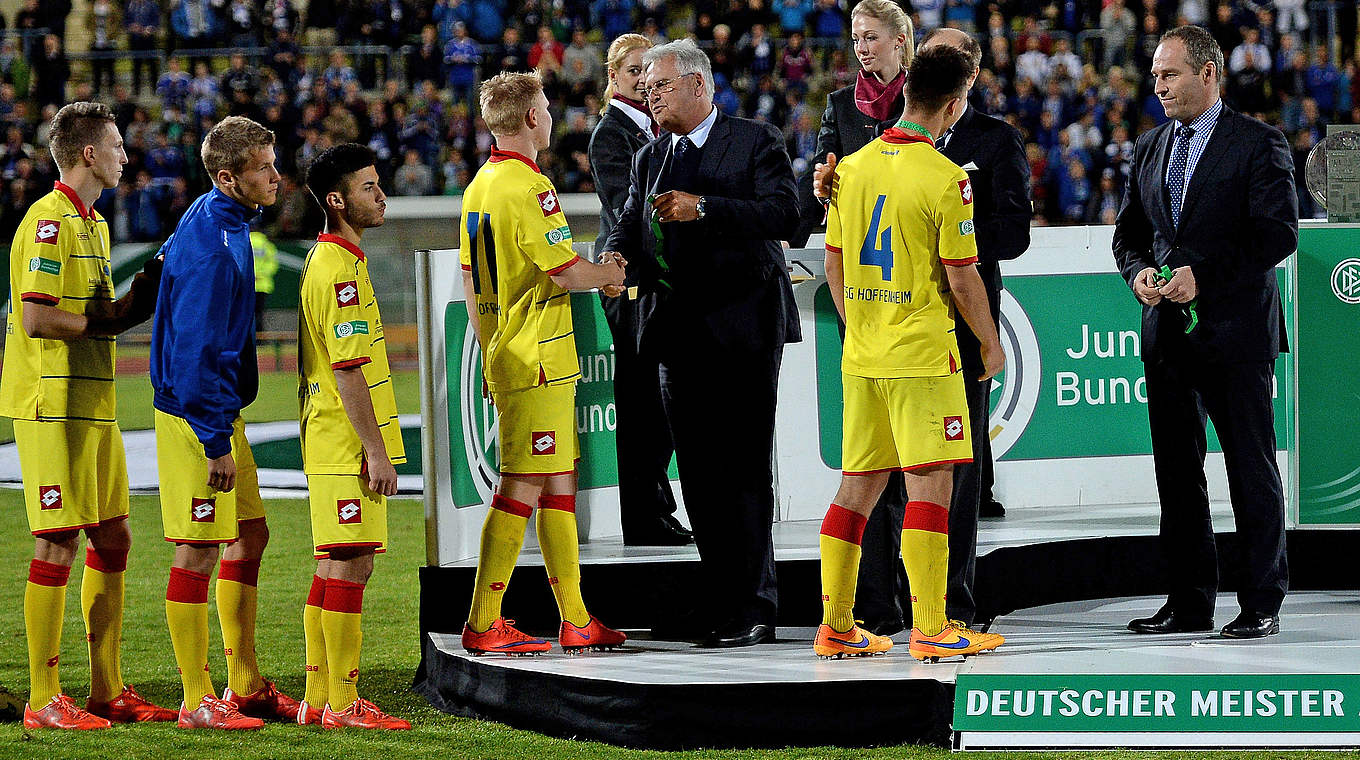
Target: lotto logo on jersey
[48, 231]
[953, 428]
[348, 511]
[346, 294]
[50, 497]
[547, 200]
[544, 443]
[966, 191]
[203, 510]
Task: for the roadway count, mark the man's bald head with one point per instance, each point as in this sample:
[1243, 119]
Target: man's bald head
[958, 40]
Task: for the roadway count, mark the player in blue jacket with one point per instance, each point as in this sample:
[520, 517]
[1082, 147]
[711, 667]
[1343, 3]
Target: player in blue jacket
[204, 372]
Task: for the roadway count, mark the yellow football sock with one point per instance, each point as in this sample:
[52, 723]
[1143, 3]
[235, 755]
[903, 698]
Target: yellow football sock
[340, 618]
[186, 612]
[925, 554]
[44, 604]
[502, 536]
[101, 601]
[318, 675]
[842, 532]
[556, 526]
[237, 598]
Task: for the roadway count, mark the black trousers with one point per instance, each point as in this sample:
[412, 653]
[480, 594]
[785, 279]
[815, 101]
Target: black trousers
[1182, 392]
[721, 408]
[643, 436]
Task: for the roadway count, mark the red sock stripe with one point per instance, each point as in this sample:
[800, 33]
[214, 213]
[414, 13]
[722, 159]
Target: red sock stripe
[318, 591]
[518, 509]
[243, 571]
[48, 573]
[928, 516]
[107, 561]
[343, 596]
[843, 524]
[186, 587]
[564, 502]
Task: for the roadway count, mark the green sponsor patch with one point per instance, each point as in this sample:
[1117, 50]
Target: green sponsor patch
[966, 227]
[352, 327]
[46, 266]
[558, 235]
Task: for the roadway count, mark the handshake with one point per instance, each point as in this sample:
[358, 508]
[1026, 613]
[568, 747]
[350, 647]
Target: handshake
[611, 267]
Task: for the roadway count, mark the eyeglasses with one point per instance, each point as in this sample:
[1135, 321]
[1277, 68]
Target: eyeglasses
[664, 86]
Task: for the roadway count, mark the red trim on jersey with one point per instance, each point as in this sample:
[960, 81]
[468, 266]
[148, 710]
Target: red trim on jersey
[186, 587]
[563, 502]
[510, 506]
[498, 155]
[243, 571]
[317, 592]
[348, 545]
[48, 573]
[41, 298]
[351, 363]
[50, 531]
[466, 267]
[326, 555]
[85, 213]
[953, 365]
[564, 267]
[844, 524]
[927, 516]
[326, 237]
[895, 136]
[833, 249]
[343, 596]
[958, 262]
[107, 561]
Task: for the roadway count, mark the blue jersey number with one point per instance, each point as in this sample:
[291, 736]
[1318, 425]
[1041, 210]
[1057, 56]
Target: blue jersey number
[877, 248]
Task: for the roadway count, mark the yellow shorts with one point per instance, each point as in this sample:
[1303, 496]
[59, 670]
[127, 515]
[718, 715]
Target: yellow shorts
[538, 430]
[346, 513]
[75, 474]
[904, 423]
[191, 512]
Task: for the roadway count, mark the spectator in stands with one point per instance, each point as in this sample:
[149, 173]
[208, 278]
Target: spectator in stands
[445, 14]
[486, 19]
[547, 52]
[929, 14]
[103, 24]
[195, 23]
[278, 16]
[426, 60]
[322, 22]
[338, 74]
[173, 87]
[242, 25]
[1224, 27]
[801, 142]
[461, 57]
[1032, 64]
[795, 62]
[509, 55]
[1320, 81]
[14, 69]
[1074, 192]
[51, 71]
[205, 95]
[828, 20]
[723, 97]
[1291, 16]
[1118, 25]
[414, 177]
[756, 53]
[1248, 73]
[722, 54]
[613, 17]
[793, 15]
[239, 77]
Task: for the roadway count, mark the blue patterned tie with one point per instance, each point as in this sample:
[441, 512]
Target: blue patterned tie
[1175, 176]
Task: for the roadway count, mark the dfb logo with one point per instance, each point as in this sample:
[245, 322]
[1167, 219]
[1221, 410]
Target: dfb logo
[48, 230]
[966, 191]
[203, 510]
[349, 512]
[544, 443]
[953, 428]
[547, 200]
[50, 497]
[346, 294]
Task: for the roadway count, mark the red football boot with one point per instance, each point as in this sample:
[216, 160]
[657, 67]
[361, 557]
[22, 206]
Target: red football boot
[504, 638]
[216, 713]
[268, 703]
[130, 707]
[362, 714]
[593, 635]
[62, 712]
[308, 715]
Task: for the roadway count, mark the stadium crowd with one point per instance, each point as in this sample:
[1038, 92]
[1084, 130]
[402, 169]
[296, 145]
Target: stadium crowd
[1071, 74]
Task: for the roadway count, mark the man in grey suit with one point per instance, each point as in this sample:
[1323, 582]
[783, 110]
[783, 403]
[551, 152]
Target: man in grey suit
[1212, 198]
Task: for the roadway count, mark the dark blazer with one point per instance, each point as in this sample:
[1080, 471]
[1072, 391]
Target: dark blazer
[845, 129]
[612, 145]
[730, 283]
[1239, 220]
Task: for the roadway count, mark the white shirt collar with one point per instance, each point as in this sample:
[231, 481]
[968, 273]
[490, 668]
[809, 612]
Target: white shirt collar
[644, 121]
[699, 135]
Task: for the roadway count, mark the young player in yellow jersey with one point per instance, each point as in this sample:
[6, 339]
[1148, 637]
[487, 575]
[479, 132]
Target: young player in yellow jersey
[350, 436]
[900, 258]
[58, 387]
[518, 265]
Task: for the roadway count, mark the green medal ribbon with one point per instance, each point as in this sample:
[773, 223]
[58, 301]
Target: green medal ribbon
[659, 251]
[913, 126]
[1190, 311]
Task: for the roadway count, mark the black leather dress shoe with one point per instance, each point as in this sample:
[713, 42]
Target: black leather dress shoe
[991, 508]
[1168, 620]
[884, 626]
[1250, 625]
[664, 531]
[743, 635]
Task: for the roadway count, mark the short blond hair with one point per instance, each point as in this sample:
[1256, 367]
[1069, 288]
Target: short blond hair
[893, 17]
[231, 143]
[506, 98]
[75, 126]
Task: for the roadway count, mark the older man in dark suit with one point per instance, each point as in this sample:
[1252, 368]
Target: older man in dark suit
[1211, 197]
[717, 308]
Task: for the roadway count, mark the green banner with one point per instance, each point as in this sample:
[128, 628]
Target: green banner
[1175, 703]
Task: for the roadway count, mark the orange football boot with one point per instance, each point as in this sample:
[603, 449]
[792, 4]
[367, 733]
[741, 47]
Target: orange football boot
[855, 642]
[308, 715]
[593, 635]
[130, 707]
[216, 713]
[268, 703]
[62, 712]
[362, 713]
[954, 639]
[504, 638]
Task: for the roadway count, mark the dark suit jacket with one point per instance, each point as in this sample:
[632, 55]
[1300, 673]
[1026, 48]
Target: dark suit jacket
[1240, 218]
[730, 286]
[612, 145]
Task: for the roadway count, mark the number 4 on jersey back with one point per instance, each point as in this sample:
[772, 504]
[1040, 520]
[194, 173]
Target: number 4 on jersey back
[877, 248]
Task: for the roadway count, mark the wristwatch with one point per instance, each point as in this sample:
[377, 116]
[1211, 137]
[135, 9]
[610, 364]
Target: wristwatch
[699, 207]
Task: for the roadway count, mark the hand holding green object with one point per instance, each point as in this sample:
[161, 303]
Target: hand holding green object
[1191, 314]
[659, 252]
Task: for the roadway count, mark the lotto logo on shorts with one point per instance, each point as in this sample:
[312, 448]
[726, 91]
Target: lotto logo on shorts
[547, 200]
[203, 510]
[544, 443]
[48, 230]
[50, 497]
[346, 294]
[348, 511]
[953, 428]
[966, 191]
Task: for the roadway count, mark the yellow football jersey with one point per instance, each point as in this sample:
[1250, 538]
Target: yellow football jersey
[900, 209]
[60, 257]
[339, 327]
[512, 237]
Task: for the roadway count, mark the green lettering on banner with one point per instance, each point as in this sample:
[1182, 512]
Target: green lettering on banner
[1191, 702]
